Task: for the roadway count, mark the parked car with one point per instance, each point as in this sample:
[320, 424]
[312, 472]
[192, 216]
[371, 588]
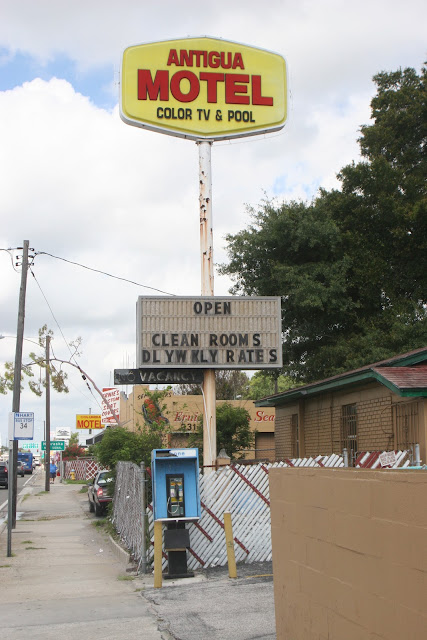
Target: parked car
[4, 475]
[98, 493]
[20, 469]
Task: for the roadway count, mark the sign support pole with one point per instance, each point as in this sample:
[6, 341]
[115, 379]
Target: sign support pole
[207, 289]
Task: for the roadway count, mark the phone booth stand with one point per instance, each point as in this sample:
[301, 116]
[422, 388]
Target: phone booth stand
[176, 500]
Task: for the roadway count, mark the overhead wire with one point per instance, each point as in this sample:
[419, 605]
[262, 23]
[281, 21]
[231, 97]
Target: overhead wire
[73, 355]
[110, 275]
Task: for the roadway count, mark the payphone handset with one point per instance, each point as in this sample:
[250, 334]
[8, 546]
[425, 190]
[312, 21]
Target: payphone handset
[175, 495]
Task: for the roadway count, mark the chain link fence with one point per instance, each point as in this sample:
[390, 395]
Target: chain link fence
[127, 512]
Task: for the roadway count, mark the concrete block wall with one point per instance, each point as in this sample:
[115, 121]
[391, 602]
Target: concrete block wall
[349, 554]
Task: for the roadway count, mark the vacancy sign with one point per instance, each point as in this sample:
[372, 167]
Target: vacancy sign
[88, 421]
[108, 412]
[203, 88]
[21, 425]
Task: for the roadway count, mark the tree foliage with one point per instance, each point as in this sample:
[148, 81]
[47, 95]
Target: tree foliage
[264, 383]
[38, 362]
[233, 431]
[351, 266]
[229, 383]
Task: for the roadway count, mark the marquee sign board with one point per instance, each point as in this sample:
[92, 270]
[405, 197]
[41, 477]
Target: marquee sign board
[209, 332]
[203, 88]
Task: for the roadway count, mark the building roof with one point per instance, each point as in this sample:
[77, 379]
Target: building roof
[405, 375]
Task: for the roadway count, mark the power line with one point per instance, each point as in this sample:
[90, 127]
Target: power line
[73, 355]
[104, 273]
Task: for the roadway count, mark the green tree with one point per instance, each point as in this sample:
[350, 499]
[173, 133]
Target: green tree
[233, 431]
[264, 383]
[351, 265]
[230, 384]
[74, 450]
[57, 375]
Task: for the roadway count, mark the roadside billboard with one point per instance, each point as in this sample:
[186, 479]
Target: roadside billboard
[203, 88]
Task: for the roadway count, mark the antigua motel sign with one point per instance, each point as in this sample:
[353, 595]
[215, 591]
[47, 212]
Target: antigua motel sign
[203, 88]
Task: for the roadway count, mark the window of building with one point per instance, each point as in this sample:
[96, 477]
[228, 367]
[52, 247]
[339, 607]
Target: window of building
[406, 426]
[294, 436]
[349, 431]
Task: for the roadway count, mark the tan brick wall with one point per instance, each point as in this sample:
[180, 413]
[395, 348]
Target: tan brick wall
[322, 422]
[283, 436]
[349, 554]
[264, 446]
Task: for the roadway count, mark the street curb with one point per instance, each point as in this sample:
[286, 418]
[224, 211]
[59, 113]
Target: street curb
[121, 554]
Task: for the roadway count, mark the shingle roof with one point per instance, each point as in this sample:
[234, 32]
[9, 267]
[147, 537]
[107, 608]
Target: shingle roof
[404, 377]
[403, 380]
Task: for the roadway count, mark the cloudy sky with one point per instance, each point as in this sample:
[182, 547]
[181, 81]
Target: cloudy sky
[82, 186]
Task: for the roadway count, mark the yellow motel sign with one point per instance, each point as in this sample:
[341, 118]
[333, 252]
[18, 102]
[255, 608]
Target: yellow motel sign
[203, 88]
[88, 421]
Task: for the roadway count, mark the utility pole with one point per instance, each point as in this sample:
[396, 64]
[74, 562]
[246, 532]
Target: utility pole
[16, 401]
[47, 452]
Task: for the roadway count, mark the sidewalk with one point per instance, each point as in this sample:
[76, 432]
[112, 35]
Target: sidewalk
[66, 580]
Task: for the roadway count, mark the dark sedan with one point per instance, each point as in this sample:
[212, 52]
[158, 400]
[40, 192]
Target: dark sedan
[4, 475]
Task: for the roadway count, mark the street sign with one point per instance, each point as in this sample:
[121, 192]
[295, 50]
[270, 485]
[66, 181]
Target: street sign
[21, 425]
[158, 376]
[55, 445]
[29, 445]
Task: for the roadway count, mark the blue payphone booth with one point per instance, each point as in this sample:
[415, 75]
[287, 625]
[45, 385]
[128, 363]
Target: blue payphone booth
[175, 477]
[176, 500]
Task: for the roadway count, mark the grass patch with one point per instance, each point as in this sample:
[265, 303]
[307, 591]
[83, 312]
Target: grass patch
[5, 566]
[126, 578]
[84, 489]
[106, 525]
[42, 493]
[27, 542]
[101, 522]
[34, 548]
[67, 481]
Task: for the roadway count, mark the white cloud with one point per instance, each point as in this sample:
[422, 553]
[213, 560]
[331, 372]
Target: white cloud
[80, 184]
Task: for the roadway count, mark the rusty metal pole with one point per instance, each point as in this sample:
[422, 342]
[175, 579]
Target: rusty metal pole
[207, 274]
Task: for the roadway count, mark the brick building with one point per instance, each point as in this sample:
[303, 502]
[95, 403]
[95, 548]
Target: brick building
[382, 406]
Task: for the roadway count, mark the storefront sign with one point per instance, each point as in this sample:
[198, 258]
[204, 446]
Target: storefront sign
[203, 88]
[111, 411]
[209, 333]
